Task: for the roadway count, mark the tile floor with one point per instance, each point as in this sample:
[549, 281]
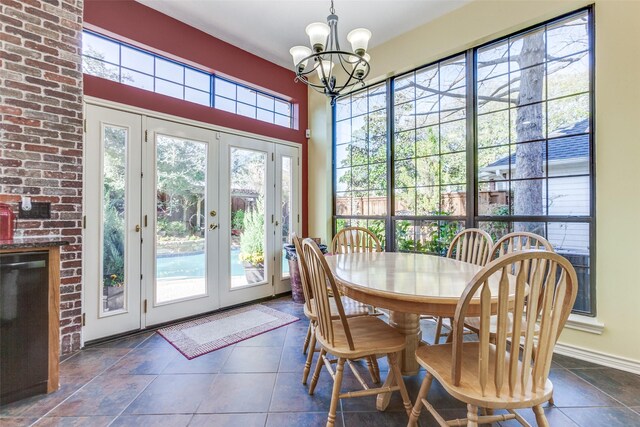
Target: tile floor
[143, 381]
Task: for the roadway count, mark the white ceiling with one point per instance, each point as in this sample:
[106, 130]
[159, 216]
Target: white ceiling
[270, 28]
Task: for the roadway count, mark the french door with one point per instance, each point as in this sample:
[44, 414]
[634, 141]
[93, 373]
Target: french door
[111, 238]
[180, 224]
[181, 220]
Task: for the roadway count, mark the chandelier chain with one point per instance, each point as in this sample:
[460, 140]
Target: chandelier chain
[332, 10]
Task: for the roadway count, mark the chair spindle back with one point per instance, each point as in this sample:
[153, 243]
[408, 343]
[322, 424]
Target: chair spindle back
[321, 281]
[548, 280]
[304, 273]
[518, 241]
[471, 245]
[355, 239]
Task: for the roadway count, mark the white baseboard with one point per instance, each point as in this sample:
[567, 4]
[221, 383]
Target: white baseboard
[604, 359]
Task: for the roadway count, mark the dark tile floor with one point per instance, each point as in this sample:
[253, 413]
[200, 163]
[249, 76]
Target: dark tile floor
[143, 381]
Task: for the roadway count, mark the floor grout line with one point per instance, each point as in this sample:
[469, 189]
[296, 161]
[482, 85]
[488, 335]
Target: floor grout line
[92, 379]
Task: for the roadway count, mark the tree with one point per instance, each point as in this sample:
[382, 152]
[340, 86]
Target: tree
[516, 71]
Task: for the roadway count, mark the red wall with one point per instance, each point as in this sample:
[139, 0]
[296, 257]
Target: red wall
[144, 27]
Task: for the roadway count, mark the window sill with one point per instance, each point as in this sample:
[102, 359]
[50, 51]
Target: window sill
[585, 324]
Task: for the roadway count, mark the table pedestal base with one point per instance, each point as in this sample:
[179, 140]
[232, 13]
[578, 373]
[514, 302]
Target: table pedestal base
[409, 325]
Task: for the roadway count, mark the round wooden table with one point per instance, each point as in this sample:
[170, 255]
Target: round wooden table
[408, 285]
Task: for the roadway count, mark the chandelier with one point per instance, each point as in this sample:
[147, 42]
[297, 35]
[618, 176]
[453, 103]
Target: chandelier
[338, 70]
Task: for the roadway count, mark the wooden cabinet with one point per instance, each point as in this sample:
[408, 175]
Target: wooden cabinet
[29, 318]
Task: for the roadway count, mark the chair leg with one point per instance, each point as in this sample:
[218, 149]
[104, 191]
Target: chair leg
[436, 339]
[422, 394]
[307, 365]
[335, 395]
[472, 416]
[541, 419]
[551, 402]
[374, 370]
[305, 346]
[450, 334]
[393, 364]
[316, 372]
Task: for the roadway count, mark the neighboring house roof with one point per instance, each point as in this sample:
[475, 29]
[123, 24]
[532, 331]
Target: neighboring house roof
[561, 147]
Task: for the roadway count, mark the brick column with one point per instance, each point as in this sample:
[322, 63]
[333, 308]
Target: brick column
[41, 131]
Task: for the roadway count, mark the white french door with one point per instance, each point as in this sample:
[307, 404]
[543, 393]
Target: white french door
[180, 232]
[259, 209]
[111, 240]
[287, 208]
[181, 220]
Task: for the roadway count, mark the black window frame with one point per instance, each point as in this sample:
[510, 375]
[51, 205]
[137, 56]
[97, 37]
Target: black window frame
[472, 217]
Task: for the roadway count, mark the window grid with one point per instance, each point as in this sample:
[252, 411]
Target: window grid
[189, 89]
[427, 233]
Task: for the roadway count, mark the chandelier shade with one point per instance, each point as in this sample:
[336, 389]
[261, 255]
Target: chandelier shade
[337, 70]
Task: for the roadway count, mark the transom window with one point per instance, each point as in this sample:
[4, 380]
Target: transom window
[498, 137]
[117, 61]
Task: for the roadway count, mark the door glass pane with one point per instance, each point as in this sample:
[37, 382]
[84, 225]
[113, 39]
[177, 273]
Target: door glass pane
[113, 218]
[248, 233]
[287, 219]
[180, 206]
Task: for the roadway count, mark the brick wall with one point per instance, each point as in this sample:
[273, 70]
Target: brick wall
[41, 126]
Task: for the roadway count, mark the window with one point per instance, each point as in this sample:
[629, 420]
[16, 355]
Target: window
[361, 160]
[499, 137]
[113, 60]
[245, 101]
[429, 156]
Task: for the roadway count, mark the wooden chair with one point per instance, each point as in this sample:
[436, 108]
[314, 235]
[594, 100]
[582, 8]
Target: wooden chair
[355, 239]
[518, 241]
[349, 339]
[510, 243]
[473, 246]
[494, 375]
[351, 309]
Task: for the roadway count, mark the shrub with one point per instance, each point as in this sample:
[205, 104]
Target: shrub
[252, 238]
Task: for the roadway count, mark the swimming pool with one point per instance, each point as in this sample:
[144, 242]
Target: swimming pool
[192, 265]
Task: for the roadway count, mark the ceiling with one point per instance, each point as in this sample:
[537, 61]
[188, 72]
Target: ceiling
[270, 28]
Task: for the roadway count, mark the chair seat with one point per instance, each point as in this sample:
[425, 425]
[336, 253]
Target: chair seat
[473, 323]
[352, 308]
[437, 360]
[370, 334]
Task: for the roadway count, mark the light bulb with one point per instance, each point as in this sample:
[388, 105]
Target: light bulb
[360, 66]
[318, 33]
[359, 39]
[327, 66]
[299, 53]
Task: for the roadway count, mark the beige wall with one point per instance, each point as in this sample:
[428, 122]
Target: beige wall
[617, 141]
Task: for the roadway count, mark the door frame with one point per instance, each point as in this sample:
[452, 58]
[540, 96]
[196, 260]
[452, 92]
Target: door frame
[150, 114]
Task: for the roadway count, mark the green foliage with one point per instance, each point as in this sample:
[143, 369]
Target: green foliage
[439, 235]
[237, 222]
[377, 227]
[252, 238]
[168, 228]
[113, 246]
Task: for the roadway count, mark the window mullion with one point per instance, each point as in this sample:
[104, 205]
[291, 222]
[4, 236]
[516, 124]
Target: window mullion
[471, 197]
[390, 227]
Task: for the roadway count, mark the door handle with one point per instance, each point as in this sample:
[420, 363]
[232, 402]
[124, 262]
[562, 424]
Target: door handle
[137, 228]
[213, 226]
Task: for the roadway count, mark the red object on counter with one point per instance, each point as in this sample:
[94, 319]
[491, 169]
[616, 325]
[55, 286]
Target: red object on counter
[7, 222]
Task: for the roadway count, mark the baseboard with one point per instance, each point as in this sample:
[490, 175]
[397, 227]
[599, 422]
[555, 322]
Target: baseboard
[599, 358]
